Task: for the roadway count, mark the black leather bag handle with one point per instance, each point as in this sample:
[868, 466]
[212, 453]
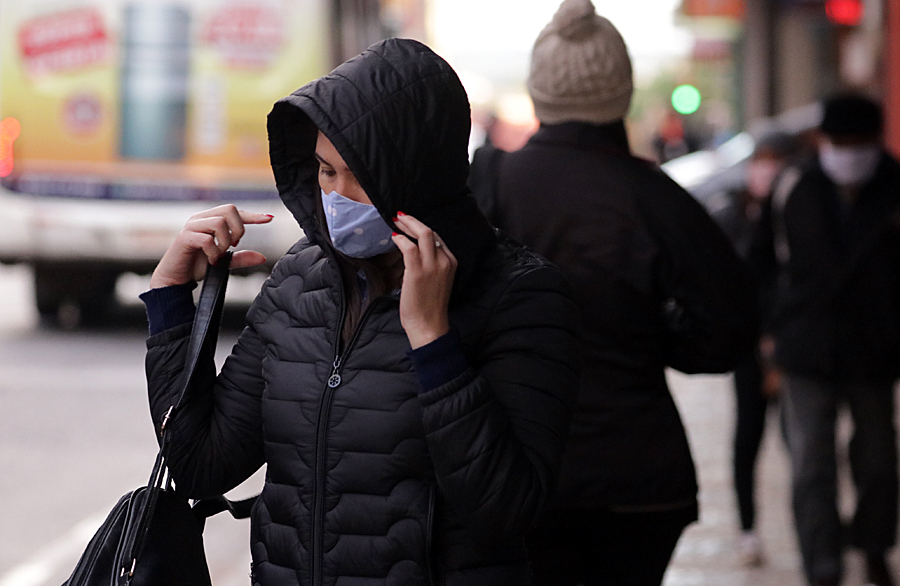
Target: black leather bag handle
[207, 318]
[204, 335]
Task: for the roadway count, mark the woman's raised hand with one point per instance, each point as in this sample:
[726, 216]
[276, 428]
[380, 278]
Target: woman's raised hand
[205, 237]
[429, 268]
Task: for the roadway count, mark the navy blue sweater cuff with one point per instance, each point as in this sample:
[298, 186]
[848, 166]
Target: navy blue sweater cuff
[168, 307]
[439, 362]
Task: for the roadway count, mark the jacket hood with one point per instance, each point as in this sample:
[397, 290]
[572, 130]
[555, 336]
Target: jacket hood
[399, 117]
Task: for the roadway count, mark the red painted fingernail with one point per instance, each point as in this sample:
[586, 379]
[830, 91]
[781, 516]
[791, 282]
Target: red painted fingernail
[401, 214]
[270, 215]
[395, 219]
[394, 234]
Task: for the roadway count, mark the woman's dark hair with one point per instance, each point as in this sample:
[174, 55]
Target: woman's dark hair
[381, 277]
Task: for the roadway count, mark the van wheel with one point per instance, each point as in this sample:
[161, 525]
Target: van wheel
[69, 296]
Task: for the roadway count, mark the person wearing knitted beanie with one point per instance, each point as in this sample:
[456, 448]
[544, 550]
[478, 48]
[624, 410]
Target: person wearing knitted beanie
[653, 276]
[580, 68]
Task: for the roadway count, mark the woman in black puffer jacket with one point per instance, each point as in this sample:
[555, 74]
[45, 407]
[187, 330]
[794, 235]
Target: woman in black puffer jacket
[410, 395]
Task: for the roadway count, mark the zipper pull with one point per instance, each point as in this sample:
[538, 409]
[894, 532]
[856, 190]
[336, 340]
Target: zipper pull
[335, 379]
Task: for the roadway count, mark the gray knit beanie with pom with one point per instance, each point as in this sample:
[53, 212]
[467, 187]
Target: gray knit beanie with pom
[580, 69]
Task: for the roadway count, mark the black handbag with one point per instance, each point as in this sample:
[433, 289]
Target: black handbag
[154, 536]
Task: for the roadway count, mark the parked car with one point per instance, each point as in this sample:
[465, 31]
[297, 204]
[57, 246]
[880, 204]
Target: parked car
[707, 174]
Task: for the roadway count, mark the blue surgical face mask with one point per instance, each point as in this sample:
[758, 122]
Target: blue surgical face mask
[356, 229]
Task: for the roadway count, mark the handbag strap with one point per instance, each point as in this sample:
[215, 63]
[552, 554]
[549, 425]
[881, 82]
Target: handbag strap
[203, 509]
[204, 334]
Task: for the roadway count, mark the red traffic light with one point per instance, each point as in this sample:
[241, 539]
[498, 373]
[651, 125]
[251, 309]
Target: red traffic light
[844, 12]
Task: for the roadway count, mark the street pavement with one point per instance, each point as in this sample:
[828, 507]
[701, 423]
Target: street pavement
[707, 554]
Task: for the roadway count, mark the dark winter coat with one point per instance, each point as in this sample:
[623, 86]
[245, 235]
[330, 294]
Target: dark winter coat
[376, 481]
[837, 310]
[657, 283]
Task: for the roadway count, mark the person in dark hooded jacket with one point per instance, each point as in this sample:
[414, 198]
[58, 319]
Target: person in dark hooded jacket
[658, 285]
[406, 373]
[828, 244]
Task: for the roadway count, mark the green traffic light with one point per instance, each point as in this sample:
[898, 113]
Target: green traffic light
[686, 99]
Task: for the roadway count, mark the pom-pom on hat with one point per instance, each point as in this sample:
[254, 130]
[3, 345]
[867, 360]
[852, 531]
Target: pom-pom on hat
[580, 68]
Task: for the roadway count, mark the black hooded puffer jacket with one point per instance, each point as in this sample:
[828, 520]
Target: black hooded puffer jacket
[376, 481]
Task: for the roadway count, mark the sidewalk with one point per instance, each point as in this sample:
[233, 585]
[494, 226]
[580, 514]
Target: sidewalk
[706, 553]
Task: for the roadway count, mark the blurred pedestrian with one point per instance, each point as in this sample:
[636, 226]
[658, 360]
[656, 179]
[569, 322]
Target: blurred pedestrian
[830, 242]
[657, 283]
[738, 211]
[409, 393]
[671, 139]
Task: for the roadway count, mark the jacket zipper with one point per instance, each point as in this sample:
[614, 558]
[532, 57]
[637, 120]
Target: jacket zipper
[333, 382]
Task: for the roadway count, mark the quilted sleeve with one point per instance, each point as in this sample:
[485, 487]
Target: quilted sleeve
[217, 432]
[496, 432]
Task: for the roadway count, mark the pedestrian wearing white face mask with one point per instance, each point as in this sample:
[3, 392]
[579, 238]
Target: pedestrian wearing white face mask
[829, 244]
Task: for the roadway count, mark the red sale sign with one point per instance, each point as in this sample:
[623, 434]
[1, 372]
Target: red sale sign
[64, 41]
